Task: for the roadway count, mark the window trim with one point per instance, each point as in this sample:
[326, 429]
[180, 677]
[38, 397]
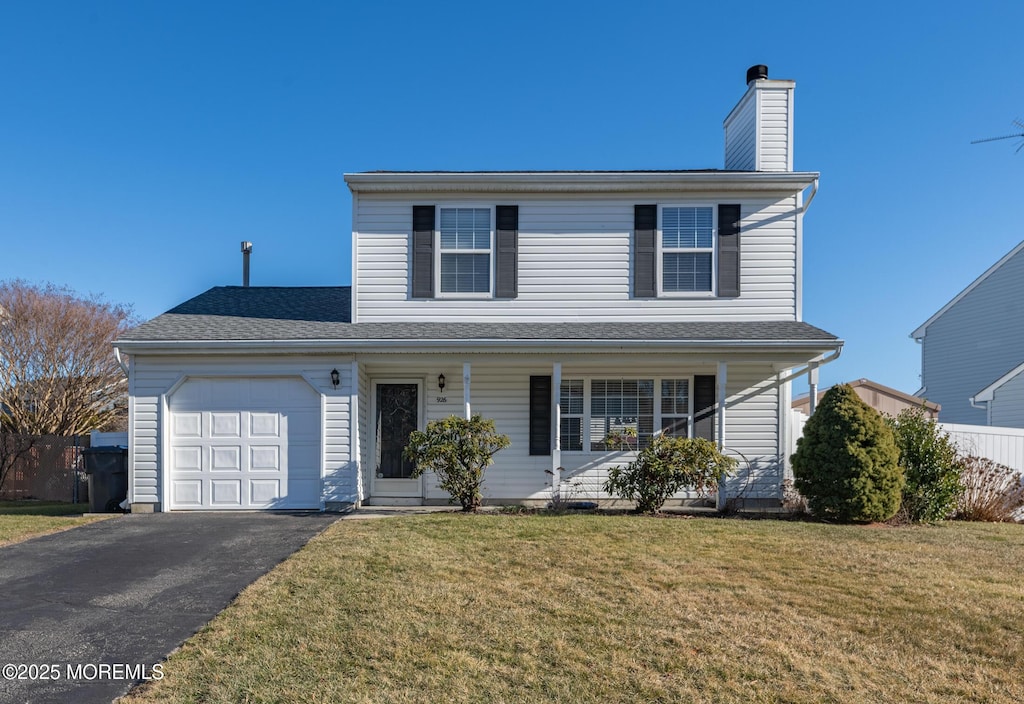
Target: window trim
[657, 415]
[662, 251]
[491, 254]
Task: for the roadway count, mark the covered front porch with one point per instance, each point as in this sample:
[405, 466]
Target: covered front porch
[573, 415]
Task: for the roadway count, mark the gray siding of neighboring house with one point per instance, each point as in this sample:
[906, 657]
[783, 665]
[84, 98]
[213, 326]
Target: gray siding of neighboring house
[975, 342]
[1008, 403]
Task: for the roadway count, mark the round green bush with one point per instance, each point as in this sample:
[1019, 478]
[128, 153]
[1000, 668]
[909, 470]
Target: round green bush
[847, 463]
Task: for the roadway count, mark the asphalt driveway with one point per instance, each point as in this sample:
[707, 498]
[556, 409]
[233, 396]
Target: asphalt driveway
[87, 612]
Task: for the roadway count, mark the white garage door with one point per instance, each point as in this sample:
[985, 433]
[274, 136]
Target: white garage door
[244, 444]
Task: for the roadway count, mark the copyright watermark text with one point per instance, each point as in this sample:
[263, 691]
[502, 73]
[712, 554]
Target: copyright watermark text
[87, 672]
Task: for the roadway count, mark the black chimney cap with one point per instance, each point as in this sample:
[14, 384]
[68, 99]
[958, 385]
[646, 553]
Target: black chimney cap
[755, 73]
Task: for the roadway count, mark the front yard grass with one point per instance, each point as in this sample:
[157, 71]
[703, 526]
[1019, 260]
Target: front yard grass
[501, 608]
[20, 520]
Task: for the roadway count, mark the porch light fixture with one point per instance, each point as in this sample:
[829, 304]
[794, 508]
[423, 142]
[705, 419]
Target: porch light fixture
[335, 378]
[440, 382]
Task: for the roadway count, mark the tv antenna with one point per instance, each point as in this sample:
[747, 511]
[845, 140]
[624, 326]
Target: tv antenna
[1018, 124]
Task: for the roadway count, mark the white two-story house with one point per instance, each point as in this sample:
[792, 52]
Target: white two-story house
[568, 306]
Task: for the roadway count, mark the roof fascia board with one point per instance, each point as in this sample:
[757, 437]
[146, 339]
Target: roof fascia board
[512, 346]
[578, 182]
[920, 331]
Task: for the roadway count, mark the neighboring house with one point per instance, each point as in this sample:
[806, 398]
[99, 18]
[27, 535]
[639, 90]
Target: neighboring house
[972, 349]
[883, 399]
[565, 305]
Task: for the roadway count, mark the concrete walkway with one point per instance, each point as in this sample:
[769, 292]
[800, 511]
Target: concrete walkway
[88, 612]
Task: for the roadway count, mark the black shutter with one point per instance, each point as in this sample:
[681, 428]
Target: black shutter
[540, 415]
[422, 251]
[729, 251]
[645, 265]
[704, 407]
[506, 265]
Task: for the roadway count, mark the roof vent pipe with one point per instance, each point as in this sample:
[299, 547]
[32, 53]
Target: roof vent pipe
[757, 73]
[246, 251]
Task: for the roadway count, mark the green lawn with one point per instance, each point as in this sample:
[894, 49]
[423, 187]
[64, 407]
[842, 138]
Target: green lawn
[501, 608]
[26, 519]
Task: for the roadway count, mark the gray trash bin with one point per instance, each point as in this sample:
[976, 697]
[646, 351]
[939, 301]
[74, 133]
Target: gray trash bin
[107, 467]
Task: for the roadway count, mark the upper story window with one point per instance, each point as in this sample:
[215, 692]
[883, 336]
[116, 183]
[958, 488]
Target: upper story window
[687, 240]
[686, 250]
[466, 245]
[464, 251]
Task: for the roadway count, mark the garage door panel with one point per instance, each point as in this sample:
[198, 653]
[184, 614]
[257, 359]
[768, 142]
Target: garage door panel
[188, 459]
[264, 425]
[264, 458]
[245, 443]
[187, 493]
[187, 425]
[226, 493]
[224, 424]
[226, 458]
[264, 491]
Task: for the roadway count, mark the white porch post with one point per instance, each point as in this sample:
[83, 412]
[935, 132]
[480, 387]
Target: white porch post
[721, 379]
[355, 454]
[556, 422]
[812, 383]
[465, 388]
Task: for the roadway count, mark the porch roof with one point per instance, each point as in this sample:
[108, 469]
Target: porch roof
[321, 314]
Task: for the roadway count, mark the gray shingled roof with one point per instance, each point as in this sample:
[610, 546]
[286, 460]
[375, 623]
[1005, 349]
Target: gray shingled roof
[323, 313]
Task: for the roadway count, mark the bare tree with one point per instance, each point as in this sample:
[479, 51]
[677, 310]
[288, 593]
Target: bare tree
[58, 373]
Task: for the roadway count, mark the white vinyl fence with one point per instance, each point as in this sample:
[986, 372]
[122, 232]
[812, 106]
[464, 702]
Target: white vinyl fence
[1002, 445]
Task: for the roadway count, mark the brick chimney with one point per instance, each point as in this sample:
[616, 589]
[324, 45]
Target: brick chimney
[759, 130]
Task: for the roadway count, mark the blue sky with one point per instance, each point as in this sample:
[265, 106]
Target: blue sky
[140, 142]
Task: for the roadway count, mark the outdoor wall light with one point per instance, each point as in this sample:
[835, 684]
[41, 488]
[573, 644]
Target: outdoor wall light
[440, 382]
[335, 378]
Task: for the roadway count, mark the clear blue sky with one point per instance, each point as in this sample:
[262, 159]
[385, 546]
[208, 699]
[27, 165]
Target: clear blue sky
[140, 142]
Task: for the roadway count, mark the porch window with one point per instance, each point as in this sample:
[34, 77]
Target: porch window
[675, 407]
[571, 402]
[621, 413]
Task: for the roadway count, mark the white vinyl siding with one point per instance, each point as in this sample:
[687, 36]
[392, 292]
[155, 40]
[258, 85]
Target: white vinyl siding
[759, 130]
[574, 264]
[740, 136]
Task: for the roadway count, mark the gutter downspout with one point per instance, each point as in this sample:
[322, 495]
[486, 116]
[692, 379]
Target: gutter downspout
[987, 408]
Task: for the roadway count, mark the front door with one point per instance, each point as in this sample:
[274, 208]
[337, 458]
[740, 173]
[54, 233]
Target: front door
[396, 412]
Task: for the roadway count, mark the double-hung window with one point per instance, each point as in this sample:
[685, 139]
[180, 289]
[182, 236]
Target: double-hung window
[687, 249]
[571, 422]
[675, 407]
[466, 245]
